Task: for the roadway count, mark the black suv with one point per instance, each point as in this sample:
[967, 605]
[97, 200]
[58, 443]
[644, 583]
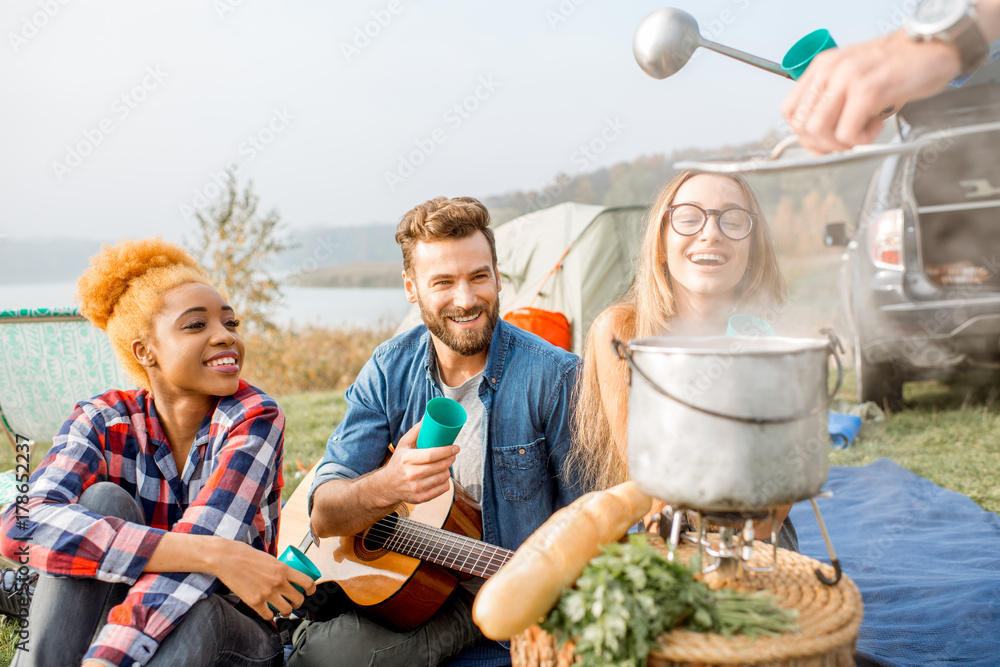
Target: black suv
[921, 278]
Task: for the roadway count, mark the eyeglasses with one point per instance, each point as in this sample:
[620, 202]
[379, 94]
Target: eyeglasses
[689, 219]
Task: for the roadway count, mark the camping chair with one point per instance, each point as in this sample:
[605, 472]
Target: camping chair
[49, 360]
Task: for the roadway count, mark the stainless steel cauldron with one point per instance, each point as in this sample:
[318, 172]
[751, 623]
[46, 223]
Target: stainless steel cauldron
[729, 423]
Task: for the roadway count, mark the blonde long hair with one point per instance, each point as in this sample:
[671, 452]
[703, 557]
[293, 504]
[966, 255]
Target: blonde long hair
[648, 309]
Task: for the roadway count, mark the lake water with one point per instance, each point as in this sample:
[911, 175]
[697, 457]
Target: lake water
[328, 306]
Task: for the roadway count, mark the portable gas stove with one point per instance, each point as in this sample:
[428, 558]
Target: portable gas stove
[726, 540]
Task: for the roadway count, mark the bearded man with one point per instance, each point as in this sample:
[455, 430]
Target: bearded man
[509, 456]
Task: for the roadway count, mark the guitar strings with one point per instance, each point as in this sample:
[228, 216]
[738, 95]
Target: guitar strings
[453, 553]
[465, 546]
[407, 530]
[456, 546]
[403, 533]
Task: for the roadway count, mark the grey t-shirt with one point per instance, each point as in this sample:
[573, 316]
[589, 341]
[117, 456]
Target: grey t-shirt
[468, 468]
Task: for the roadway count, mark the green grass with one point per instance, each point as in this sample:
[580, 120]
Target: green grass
[947, 433]
[7, 454]
[9, 636]
[309, 420]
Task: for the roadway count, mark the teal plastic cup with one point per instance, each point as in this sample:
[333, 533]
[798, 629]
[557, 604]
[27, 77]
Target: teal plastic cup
[798, 57]
[443, 419]
[299, 561]
[748, 325]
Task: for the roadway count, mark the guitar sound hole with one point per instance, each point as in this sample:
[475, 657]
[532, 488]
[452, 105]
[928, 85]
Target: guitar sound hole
[376, 536]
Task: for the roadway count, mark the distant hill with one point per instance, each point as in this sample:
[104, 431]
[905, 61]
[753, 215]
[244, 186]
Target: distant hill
[797, 203]
[44, 260]
[623, 184]
[25, 261]
[331, 246]
[354, 274]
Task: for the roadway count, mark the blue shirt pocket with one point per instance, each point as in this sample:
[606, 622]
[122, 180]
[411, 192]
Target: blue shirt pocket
[521, 469]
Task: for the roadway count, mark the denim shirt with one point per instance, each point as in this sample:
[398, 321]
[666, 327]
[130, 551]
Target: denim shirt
[527, 391]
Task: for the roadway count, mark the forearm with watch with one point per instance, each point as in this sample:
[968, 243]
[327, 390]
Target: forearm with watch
[967, 25]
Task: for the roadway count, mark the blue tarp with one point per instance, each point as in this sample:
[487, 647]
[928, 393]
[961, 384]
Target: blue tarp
[926, 559]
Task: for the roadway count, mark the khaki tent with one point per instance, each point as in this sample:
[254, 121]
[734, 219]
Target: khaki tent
[594, 248]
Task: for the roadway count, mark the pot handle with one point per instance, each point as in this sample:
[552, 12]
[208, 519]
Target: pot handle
[624, 352]
[835, 345]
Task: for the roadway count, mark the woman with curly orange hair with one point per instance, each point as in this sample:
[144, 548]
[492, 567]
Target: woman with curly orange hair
[156, 510]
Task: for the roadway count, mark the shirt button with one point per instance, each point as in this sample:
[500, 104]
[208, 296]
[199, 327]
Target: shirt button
[521, 451]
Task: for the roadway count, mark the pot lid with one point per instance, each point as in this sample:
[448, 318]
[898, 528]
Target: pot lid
[787, 154]
[728, 345]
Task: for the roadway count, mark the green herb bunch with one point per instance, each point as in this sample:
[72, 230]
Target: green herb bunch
[630, 594]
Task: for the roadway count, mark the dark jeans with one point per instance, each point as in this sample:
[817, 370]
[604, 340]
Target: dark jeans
[353, 639]
[68, 613]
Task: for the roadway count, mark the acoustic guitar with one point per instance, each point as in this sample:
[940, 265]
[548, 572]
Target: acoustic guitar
[403, 567]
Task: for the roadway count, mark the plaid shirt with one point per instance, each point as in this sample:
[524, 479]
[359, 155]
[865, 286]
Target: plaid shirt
[230, 486]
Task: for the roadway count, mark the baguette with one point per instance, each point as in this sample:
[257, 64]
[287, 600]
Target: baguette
[552, 558]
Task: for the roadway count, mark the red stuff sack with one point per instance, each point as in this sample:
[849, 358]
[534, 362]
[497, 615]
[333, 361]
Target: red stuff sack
[546, 324]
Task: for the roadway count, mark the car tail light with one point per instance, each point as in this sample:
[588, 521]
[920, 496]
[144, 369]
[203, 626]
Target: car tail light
[885, 240]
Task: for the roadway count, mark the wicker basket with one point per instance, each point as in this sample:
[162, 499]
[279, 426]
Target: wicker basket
[829, 617]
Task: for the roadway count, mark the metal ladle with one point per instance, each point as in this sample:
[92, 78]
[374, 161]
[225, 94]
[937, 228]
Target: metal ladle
[666, 39]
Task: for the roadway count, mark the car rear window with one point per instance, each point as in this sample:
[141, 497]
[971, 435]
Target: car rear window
[962, 170]
[956, 183]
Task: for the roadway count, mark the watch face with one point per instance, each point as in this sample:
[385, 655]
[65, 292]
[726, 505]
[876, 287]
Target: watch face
[939, 15]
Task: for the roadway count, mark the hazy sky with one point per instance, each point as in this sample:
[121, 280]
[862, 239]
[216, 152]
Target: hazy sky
[118, 113]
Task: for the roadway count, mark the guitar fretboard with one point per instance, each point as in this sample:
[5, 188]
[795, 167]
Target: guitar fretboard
[441, 547]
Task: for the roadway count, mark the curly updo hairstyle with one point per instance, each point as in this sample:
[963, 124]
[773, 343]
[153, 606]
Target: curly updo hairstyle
[120, 292]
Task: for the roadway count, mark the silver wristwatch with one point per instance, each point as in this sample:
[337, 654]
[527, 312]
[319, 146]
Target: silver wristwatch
[954, 22]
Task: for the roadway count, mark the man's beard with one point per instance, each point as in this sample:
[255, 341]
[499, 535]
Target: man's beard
[469, 342]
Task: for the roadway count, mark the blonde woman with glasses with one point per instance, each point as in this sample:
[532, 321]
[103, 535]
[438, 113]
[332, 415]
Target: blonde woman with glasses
[707, 253]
